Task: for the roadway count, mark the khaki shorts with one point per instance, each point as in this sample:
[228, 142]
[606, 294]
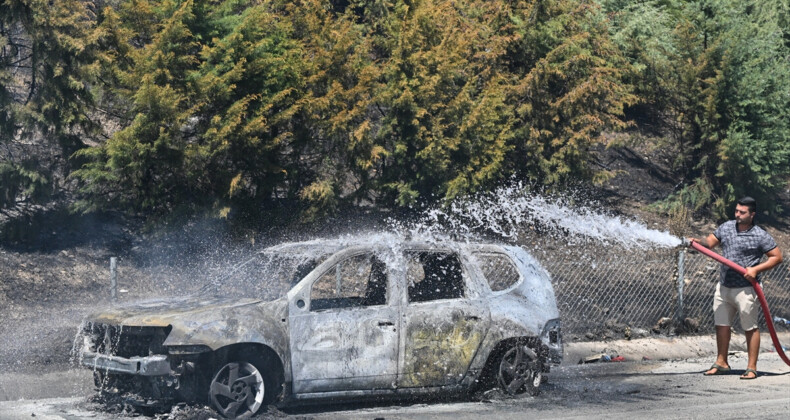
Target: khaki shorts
[737, 300]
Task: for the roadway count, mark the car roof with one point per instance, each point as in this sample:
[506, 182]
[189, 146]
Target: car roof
[333, 245]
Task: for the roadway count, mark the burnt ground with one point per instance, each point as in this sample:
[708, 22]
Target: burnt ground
[54, 267]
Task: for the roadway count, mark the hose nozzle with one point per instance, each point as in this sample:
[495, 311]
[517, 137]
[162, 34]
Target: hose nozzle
[685, 242]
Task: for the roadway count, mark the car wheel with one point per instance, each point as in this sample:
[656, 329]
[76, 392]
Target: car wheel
[238, 389]
[520, 371]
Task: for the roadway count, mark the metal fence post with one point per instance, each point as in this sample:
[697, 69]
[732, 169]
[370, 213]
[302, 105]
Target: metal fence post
[113, 278]
[679, 313]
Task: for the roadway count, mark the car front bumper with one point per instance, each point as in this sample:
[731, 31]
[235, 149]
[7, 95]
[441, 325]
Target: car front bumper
[552, 340]
[156, 365]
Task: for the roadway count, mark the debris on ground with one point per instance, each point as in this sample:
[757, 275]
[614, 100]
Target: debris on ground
[663, 325]
[602, 357]
[184, 411]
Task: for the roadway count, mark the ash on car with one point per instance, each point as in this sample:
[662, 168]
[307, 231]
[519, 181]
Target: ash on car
[332, 319]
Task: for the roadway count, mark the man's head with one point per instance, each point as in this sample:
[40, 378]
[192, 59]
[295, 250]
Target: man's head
[745, 210]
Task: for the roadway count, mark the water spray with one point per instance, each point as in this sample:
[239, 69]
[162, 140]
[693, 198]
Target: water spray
[511, 210]
[742, 271]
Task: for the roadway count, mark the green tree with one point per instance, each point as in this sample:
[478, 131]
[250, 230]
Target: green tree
[235, 105]
[713, 74]
[445, 123]
[754, 153]
[141, 166]
[249, 86]
[333, 140]
[570, 90]
[46, 61]
[207, 97]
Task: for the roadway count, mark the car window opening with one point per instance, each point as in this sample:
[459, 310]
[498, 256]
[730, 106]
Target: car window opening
[434, 276]
[498, 270]
[358, 281]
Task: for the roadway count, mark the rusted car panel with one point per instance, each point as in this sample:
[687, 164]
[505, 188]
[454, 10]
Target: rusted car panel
[441, 340]
[362, 319]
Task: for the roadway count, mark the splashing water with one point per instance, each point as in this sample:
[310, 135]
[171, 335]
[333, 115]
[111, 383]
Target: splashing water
[511, 210]
[509, 215]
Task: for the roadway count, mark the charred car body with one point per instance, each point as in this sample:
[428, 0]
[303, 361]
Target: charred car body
[350, 321]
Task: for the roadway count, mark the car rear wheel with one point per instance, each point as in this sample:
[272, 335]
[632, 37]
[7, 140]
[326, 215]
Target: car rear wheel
[240, 388]
[520, 371]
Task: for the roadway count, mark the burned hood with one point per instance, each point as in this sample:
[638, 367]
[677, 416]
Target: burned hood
[210, 323]
[163, 312]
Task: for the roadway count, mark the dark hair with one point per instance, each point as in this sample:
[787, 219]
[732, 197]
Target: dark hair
[749, 202]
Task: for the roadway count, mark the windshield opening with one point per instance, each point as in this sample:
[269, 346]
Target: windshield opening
[268, 275]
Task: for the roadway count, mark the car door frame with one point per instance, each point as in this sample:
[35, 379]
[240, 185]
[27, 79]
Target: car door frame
[471, 306]
[371, 324]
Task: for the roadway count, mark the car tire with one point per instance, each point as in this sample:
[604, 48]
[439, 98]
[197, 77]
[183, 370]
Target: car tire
[242, 387]
[519, 371]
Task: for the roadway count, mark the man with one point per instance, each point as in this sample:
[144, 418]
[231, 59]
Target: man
[743, 243]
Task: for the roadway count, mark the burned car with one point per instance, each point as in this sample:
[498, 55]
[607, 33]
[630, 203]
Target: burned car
[332, 319]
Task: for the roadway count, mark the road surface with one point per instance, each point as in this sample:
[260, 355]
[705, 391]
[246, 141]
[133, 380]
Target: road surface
[650, 389]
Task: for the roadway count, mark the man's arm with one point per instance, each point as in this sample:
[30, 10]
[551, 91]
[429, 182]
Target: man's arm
[774, 259]
[710, 242]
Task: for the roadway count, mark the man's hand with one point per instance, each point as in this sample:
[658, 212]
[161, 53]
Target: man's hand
[774, 259]
[751, 273]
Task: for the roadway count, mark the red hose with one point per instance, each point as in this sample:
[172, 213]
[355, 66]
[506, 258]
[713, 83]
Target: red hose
[740, 270]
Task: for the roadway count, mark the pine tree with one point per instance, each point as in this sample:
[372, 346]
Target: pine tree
[46, 63]
[570, 89]
[141, 166]
[713, 74]
[236, 105]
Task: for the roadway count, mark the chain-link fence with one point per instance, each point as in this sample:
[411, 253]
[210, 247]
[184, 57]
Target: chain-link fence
[626, 294]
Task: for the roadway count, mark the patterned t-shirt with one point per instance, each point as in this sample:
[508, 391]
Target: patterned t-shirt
[743, 248]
